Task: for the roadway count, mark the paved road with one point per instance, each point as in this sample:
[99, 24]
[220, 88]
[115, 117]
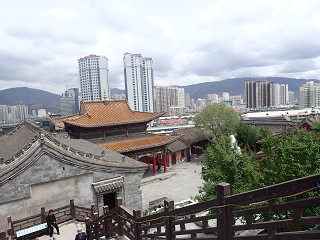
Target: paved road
[183, 182]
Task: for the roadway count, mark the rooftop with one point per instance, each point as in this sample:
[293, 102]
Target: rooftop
[135, 142]
[98, 114]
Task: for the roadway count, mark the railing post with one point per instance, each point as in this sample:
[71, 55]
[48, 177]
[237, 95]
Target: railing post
[136, 216]
[10, 228]
[119, 203]
[88, 228]
[168, 206]
[43, 215]
[96, 225]
[105, 212]
[223, 190]
[72, 209]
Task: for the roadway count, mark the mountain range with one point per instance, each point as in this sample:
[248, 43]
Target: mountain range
[36, 99]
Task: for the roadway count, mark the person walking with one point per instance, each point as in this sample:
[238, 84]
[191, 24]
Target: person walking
[51, 221]
[80, 234]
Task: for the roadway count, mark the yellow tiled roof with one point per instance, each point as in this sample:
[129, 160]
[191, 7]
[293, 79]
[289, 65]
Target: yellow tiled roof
[113, 113]
[136, 142]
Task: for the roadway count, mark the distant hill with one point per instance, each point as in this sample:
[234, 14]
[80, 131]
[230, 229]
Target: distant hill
[37, 99]
[33, 98]
[236, 86]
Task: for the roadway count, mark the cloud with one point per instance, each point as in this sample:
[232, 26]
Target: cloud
[190, 42]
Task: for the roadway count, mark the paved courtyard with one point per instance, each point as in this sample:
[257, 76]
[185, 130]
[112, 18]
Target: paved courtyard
[179, 183]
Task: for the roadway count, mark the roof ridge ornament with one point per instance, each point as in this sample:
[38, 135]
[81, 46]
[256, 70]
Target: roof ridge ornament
[105, 101]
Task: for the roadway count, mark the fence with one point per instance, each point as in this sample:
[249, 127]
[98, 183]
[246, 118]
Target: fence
[62, 214]
[196, 221]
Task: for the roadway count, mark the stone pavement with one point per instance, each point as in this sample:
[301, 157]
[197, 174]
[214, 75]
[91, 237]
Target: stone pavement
[180, 182]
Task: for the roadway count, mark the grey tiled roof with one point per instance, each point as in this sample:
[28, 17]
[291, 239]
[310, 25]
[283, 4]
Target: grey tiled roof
[15, 148]
[177, 145]
[189, 135]
[15, 140]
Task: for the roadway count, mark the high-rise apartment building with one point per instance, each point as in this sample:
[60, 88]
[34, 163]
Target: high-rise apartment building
[69, 102]
[162, 98]
[253, 93]
[291, 97]
[3, 112]
[284, 93]
[267, 93]
[139, 82]
[187, 99]
[259, 94]
[167, 97]
[277, 94]
[94, 77]
[225, 96]
[181, 97]
[309, 94]
[212, 98]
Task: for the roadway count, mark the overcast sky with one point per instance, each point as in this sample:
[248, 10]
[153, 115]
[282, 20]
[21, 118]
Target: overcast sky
[189, 41]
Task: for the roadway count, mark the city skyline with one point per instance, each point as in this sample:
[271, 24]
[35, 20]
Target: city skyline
[206, 41]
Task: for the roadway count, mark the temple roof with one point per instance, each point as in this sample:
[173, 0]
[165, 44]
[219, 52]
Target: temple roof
[106, 113]
[27, 139]
[135, 142]
[177, 146]
[189, 135]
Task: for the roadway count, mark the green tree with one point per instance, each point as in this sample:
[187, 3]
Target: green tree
[249, 135]
[216, 120]
[46, 128]
[290, 157]
[246, 134]
[227, 163]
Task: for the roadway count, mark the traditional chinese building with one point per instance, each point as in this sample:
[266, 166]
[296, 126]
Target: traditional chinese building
[114, 126]
[39, 169]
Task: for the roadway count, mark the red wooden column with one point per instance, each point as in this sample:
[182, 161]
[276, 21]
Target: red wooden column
[165, 162]
[154, 166]
[148, 162]
[158, 159]
[201, 147]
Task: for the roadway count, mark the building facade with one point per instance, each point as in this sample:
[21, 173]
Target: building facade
[162, 98]
[41, 169]
[309, 94]
[253, 93]
[187, 99]
[121, 96]
[267, 93]
[139, 82]
[94, 77]
[69, 102]
[284, 93]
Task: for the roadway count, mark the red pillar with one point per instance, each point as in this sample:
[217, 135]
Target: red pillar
[165, 162]
[154, 166]
[148, 162]
[201, 147]
[158, 159]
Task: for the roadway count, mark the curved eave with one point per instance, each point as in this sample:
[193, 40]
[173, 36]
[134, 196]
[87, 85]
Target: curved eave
[142, 147]
[108, 124]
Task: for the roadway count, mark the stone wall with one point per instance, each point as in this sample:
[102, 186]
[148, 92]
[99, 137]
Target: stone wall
[51, 183]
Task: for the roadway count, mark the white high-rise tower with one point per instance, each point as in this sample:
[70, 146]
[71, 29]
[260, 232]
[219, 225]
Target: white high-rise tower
[138, 75]
[94, 77]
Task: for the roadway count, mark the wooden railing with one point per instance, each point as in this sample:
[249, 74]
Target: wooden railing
[216, 219]
[62, 214]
